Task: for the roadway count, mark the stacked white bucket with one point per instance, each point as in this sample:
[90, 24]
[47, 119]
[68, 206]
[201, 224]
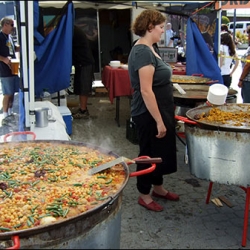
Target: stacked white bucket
[115, 64]
[217, 94]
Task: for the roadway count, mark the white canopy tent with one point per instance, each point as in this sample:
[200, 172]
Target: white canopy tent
[27, 57]
[27, 38]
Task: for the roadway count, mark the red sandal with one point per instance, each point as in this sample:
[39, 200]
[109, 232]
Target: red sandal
[151, 206]
[167, 196]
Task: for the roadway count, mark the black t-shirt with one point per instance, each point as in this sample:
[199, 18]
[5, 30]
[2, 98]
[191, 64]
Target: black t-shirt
[140, 56]
[6, 49]
[81, 53]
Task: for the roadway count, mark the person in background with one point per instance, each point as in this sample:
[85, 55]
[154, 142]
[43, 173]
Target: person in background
[244, 81]
[228, 54]
[9, 82]
[169, 35]
[83, 61]
[152, 108]
[202, 22]
[224, 28]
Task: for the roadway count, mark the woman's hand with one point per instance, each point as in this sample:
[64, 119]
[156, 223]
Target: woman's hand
[240, 84]
[162, 130]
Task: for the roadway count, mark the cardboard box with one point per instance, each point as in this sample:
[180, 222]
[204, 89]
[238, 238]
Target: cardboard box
[67, 117]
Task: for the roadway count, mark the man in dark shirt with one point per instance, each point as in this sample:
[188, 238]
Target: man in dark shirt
[83, 62]
[9, 81]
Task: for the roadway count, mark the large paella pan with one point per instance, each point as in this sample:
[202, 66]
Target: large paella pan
[186, 79]
[46, 188]
[229, 117]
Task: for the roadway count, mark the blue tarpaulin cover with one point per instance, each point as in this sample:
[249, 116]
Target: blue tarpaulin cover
[199, 59]
[53, 63]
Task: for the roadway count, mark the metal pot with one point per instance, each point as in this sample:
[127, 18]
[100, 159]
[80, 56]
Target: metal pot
[98, 228]
[218, 156]
[42, 117]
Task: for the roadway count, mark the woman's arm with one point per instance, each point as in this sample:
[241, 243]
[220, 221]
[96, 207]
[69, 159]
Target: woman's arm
[146, 81]
[235, 64]
[245, 71]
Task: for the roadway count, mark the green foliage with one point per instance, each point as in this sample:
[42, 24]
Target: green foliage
[242, 38]
[224, 20]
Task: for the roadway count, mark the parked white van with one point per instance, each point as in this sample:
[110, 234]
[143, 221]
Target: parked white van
[239, 26]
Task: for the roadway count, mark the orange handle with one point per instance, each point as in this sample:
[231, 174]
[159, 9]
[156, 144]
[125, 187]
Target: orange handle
[16, 241]
[147, 170]
[19, 133]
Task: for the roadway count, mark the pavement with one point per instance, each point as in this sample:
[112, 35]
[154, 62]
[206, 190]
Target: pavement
[189, 223]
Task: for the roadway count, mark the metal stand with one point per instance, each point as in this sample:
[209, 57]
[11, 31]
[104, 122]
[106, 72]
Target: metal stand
[117, 110]
[246, 213]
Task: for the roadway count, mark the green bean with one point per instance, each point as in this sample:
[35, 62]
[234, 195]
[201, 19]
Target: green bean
[31, 219]
[34, 208]
[77, 185]
[5, 229]
[34, 183]
[18, 225]
[45, 215]
[29, 223]
[80, 165]
[109, 181]
[101, 198]
[9, 194]
[65, 212]
[102, 176]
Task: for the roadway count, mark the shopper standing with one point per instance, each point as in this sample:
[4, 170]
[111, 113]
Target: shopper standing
[152, 108]
[244, 81]
[9, 82]
[169, 35]
[83, 62]
[228, 54]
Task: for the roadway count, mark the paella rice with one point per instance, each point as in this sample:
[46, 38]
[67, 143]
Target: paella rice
[41, 180]
[218, 116]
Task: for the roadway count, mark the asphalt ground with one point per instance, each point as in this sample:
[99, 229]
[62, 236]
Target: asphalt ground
[187, 224]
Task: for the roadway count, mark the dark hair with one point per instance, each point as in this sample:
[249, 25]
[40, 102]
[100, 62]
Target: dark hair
[226, 39]
[146, 20]
[224, 27]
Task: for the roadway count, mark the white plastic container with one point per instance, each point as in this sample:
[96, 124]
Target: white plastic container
[115, 64]
[217, 94]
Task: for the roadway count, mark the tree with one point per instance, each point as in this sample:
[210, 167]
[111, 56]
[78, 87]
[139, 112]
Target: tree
[224, 20]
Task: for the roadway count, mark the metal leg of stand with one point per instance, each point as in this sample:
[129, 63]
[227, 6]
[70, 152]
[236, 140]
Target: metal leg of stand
[58, 98]
[117, 110]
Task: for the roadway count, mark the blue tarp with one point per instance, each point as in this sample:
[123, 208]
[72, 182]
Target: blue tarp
[199, 59]
[53, 62]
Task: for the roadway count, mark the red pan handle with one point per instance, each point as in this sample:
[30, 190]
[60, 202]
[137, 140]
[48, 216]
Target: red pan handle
[19, 133]
[16, 242]
[201, 75]
[145, 159]
[185, 119]
[212, 81]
